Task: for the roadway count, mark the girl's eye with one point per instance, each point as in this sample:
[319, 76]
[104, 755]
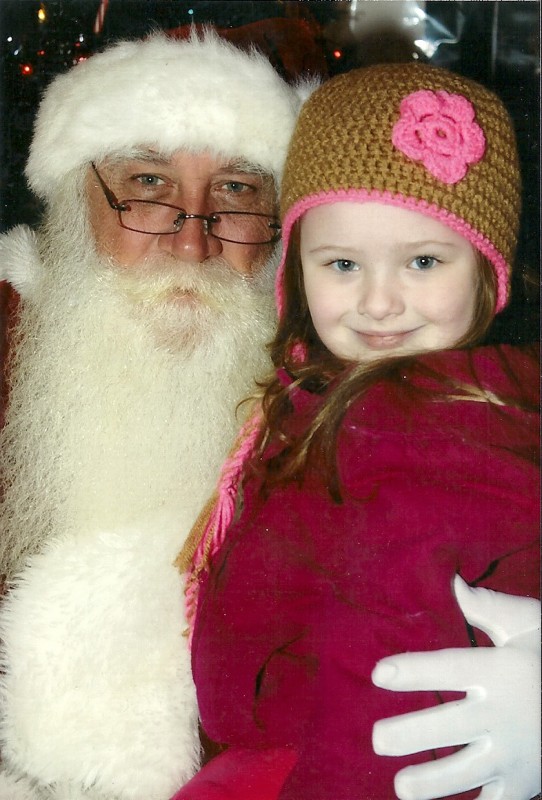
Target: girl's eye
[424, 262]
[344, 265]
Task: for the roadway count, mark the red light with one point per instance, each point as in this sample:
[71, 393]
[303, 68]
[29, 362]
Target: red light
[26, 69]
[338, 53]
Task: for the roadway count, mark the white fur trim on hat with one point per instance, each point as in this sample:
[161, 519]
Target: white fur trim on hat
[202, 93]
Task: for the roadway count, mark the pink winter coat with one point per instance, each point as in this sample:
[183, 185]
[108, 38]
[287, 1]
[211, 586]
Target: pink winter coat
[307, 594]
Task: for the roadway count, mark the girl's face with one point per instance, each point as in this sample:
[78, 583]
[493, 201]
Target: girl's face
[383, 281]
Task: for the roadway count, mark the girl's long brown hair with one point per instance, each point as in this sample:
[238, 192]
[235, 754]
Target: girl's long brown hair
[340, 382]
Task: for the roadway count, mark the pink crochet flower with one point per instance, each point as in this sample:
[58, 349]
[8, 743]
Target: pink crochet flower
[438, 129]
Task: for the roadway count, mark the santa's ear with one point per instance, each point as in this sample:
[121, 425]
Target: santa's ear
[20, 262]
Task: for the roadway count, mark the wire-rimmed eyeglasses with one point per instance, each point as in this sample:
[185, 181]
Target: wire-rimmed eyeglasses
[162, 219]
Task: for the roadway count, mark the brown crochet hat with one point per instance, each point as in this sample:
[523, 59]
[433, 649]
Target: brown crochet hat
[414, 136]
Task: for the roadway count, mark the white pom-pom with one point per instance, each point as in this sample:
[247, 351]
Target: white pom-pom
[16, 788]
[20, 263]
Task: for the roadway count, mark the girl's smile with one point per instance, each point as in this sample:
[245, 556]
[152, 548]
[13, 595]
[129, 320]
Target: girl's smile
[382, 280]
[384, 341]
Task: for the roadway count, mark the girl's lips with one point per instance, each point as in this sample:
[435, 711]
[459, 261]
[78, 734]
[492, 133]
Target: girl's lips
[384, 341]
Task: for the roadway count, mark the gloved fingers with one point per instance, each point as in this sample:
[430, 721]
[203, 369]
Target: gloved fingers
[455, 723]
[464, 770]
[462, 669]
[499, 789]
[501, 616]
[453, 670]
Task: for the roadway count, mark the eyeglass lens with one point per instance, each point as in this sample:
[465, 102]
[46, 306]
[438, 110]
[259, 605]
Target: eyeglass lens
[158, 218]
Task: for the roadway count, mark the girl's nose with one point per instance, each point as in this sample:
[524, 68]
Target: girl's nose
[380, 296]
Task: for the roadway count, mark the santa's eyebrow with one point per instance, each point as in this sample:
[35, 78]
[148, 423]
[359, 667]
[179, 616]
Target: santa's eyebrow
[242, 165]
[235, 165]
[142, 154]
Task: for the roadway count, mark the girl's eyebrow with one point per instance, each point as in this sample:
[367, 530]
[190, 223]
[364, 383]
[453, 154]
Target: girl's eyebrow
[346, 248]
[323, 248]
[428, 243]
[335, 252]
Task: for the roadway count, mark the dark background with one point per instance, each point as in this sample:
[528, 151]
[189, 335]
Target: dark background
[496, 43]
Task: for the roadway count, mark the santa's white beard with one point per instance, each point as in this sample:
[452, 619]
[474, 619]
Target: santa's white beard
[124, 391]
[122, 408]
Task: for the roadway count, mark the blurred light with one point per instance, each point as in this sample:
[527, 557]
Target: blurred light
[41, 52]
[412, 20]
[26, 69]
[42, 14]
[337, 53]
[190, 11]
[428, 48]
[10, 38]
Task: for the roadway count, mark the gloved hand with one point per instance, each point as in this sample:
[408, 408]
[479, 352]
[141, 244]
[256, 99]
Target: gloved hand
[498, 720]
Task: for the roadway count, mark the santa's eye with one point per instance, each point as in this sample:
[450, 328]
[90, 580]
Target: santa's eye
[148, 180]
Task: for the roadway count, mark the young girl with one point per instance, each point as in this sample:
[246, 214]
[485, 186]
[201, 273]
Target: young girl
[391, 453]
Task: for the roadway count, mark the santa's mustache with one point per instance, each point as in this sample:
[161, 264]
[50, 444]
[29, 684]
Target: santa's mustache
[213, 283]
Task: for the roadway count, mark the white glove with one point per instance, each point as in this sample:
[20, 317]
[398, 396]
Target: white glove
[498, 720]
